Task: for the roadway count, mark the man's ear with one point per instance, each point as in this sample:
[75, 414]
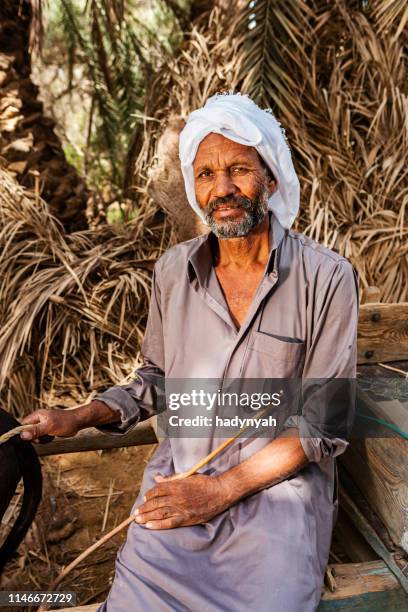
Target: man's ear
[272, 182]
[272, 185]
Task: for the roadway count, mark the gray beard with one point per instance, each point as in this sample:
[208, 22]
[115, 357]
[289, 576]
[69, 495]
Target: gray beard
[254, 212]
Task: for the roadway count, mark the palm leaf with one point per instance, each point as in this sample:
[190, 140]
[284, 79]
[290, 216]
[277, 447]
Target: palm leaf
[336, 77]
[73, 307]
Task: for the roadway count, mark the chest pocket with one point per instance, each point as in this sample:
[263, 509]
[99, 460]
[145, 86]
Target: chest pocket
[274, 357]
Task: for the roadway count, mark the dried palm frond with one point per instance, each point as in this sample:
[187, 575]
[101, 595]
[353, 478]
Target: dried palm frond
[335, 75]
[30, 148]
[73, 307]
[391, 15]
[119, 52]
[337, 81]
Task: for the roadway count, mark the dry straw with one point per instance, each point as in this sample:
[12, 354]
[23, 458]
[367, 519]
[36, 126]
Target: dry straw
[335, 75]
[73, 307]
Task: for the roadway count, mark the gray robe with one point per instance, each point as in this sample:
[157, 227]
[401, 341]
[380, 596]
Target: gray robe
[269, 551]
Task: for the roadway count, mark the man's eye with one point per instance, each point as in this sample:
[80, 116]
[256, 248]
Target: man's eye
[204, 174]
[238, 169]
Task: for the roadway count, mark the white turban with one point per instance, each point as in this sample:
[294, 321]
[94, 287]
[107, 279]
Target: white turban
[238, 118]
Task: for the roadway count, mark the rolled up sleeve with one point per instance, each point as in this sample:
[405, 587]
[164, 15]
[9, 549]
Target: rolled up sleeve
[145, 395]
[329, 374]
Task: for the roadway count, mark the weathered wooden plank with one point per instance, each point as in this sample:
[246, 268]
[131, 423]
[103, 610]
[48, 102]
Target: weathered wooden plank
[391, 369]
[371, 536]
[367, 587]
[381, 601]
[370, 294]
[358, 550]
[379, 468]
[382, 332]
[92, 439]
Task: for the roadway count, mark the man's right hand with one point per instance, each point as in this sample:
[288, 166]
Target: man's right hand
[50, 422]
[65, 423]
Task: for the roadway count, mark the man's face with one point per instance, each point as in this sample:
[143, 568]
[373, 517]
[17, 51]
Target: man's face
[232, 186]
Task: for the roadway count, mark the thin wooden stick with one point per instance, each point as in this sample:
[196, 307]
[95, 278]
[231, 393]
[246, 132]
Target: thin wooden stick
[208, 458]
[132, 517]
[388, 367]
[218, 450]
[106, 513]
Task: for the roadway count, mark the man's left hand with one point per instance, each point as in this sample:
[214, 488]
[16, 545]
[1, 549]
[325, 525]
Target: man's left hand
[180, 502]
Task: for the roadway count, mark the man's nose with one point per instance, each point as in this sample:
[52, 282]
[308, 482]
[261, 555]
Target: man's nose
[223, 185]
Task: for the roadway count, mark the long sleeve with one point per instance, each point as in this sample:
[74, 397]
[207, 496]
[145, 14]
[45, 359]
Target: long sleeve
[329, 374]
[145, 395]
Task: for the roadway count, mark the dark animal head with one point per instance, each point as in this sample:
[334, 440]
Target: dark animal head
[18, 459]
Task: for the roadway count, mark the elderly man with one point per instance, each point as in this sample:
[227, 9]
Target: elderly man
[249, 300]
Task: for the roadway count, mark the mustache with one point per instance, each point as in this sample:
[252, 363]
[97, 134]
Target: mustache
[238, 201]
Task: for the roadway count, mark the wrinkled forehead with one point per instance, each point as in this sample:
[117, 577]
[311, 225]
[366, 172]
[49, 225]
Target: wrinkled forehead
[215, 147]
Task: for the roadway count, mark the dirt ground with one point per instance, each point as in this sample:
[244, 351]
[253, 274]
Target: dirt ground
[85, 495]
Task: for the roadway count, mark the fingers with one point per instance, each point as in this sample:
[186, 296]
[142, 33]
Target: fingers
[160, 478]
[169, 523]
[35, 432]
[153, 504]
[157, 491]
[154, 515]
[158, 513]
[34, 417]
